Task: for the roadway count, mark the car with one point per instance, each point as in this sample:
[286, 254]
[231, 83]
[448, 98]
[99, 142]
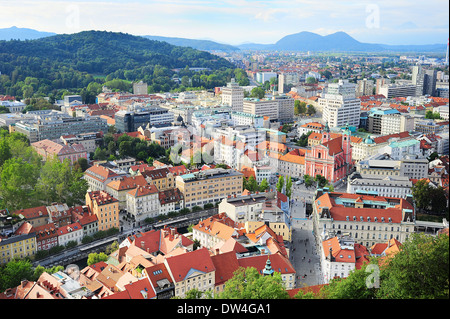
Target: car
[298, 182]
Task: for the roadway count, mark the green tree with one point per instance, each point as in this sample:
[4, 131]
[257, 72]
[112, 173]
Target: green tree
[14, 272]
[264, 185]
[419, 271]
[421, 194]
[311, 80]
[5, 151]
[94, 258]
[289, 187]
[309, 181]
[252, 185]
[248, 283]
[17, 181]
[354, 286]
[280, 184]
[321, 181]
[303, 140]
[258, 93]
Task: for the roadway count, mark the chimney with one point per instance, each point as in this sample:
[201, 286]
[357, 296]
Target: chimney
[23, 283]
[217, 251]
[172, 231]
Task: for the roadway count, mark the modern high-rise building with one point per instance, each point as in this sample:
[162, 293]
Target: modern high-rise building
[130, 121]
[364, 87]
[424, 80]
[261, 107]
[287, 78]
[233, 95]
[340, 105]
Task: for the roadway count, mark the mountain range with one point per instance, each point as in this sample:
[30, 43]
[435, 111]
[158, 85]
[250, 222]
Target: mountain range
[302, 41]
[15, 33]
[336, 42]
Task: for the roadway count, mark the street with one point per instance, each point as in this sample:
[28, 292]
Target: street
[303, 253]
[302, 249]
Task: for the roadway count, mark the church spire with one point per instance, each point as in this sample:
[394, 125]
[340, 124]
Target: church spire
[268, 271]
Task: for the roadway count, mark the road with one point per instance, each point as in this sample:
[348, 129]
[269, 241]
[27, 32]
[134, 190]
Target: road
[302, 253]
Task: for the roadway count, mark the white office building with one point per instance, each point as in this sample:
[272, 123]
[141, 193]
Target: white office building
[233, 95]
[340, 106]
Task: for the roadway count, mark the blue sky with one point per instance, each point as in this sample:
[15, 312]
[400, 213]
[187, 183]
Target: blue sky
[238, 21]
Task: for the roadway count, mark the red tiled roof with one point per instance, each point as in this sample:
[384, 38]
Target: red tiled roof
[226, 264]
[199, 260]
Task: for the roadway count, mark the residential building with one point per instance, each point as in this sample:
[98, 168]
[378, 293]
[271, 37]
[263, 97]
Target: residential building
[20, 245]
[48, 149]
[216, 230]
[36, 216]
[105, 207]
[99, 176]
[46, 236]
[285, 108]
[143, 202]
[162, 178]
[243, 208]
[170, 200]
[292, 164]
[364, 87]
[69, 233]
[209, 186]
[340, 255]
[191, 270]
[90, 141]
[233, 95]
[368, 219]
[120, 187]
[87, 220]
[314, 127]
[340, 105]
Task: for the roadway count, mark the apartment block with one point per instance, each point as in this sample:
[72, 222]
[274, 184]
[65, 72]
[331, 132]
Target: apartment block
[105, 207]
[209, 186]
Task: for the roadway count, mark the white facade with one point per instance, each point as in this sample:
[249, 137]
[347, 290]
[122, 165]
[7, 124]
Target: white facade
[340, 106]
[263, 107]
[241, 118]
[233, 95]
[342, 263]
[72, 232]
[143, 205]
[285, 108]
[397, 186]
[394, 123]
[243, 208]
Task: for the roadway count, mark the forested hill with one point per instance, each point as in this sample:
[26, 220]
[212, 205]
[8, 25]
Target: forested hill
[71, 60]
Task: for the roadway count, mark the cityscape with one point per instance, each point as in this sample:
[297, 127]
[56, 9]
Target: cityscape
[140, 166]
